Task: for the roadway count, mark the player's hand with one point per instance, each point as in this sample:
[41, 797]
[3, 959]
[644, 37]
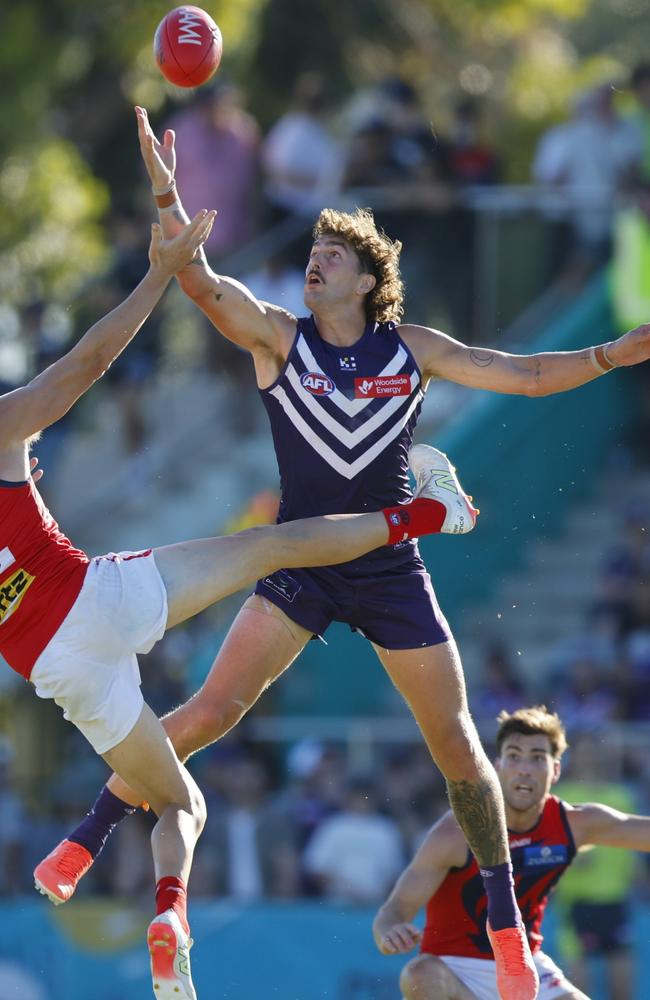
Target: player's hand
[632, 348]
[38, 474]
[160, 160]
[398, 939]
[171, 256]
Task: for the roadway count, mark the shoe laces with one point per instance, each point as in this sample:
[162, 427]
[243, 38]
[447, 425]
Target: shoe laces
[71, 861]
[513, 951]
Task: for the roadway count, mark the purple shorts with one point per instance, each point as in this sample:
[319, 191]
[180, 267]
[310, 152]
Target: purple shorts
[395, 608]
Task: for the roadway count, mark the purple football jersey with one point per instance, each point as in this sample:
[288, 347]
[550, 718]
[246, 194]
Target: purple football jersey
[342, 420]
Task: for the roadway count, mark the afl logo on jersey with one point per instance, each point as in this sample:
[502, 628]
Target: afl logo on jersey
[317, 384]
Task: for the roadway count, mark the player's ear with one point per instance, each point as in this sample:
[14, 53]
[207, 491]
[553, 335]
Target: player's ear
[366, 283]
[557, 771]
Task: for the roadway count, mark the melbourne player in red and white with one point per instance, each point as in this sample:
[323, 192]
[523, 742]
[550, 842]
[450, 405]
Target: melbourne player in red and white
[455, 960]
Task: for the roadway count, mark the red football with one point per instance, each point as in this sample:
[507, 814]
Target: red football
[187, 46]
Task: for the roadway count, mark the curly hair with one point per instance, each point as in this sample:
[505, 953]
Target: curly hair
[533, 721]
[378, 255]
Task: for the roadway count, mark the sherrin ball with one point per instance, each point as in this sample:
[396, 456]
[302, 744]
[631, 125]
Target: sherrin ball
[187, 46]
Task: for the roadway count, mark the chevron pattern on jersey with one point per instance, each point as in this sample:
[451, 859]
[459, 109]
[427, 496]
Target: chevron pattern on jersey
[347, 433]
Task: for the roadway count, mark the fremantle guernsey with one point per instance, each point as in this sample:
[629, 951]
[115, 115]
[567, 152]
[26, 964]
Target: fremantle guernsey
[41, 574]
[457, 912]
[342, 420]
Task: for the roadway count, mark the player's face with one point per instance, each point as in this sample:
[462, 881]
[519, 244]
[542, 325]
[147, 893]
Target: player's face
[526, 770]
[333, 274]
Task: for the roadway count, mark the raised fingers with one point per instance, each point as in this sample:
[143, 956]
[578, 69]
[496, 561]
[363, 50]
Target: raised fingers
[199, 228]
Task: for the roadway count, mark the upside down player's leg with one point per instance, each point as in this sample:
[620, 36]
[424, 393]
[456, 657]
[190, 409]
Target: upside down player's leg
[198, 573]
[474, 794]
[261, 644]
[146, 760]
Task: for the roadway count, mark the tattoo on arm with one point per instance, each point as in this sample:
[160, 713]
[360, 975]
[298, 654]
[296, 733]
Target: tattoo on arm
[482, 359]
[479, 813]
[538, 371]
[218, 296]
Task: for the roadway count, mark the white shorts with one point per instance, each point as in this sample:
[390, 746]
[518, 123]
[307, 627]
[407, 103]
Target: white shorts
[479, 975]
[89, 667]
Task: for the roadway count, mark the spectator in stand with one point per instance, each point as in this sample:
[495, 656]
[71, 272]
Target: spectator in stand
[624, 565]
[301, 159]
[396, 150]
[131, 372]
[593, 158]
[470, 157]
[498, 688]
[218, 151]
[371, 163]
[416, 143]
[412, 794]
[586, 693]
[315, 789]
[279, 280]
[250, 851]
[356, 854]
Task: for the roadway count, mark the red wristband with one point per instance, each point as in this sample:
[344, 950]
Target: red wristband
[165, 200]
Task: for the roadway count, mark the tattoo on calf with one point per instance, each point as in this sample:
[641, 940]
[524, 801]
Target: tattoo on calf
[482, 359]
[480, 816]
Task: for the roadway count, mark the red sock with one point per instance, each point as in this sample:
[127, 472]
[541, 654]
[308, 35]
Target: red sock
[411, 520]
[171, 894]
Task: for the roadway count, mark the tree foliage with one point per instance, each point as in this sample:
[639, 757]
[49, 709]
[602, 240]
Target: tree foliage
[71, 70]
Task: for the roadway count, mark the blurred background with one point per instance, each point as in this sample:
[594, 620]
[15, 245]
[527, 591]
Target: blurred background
[507, 144]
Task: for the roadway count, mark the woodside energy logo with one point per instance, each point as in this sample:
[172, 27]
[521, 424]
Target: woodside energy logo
[382, 385]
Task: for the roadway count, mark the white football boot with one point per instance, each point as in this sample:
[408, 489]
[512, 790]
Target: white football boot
[436, 479]
[169, 948]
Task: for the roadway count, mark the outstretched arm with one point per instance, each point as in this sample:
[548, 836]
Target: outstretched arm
[26, 411]
[258, 327]
[528, 375]
[443, 847]
[597, 825]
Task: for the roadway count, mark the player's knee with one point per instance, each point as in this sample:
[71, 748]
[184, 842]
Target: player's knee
[456, 737]
[191, 802]
[423, 978]
[198, 808]
[458, 747]
[216, 716]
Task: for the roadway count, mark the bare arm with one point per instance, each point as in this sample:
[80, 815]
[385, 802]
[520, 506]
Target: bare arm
[258, 327]
[26, 411]
[598, 825]
[528, 375]
[443, 848]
